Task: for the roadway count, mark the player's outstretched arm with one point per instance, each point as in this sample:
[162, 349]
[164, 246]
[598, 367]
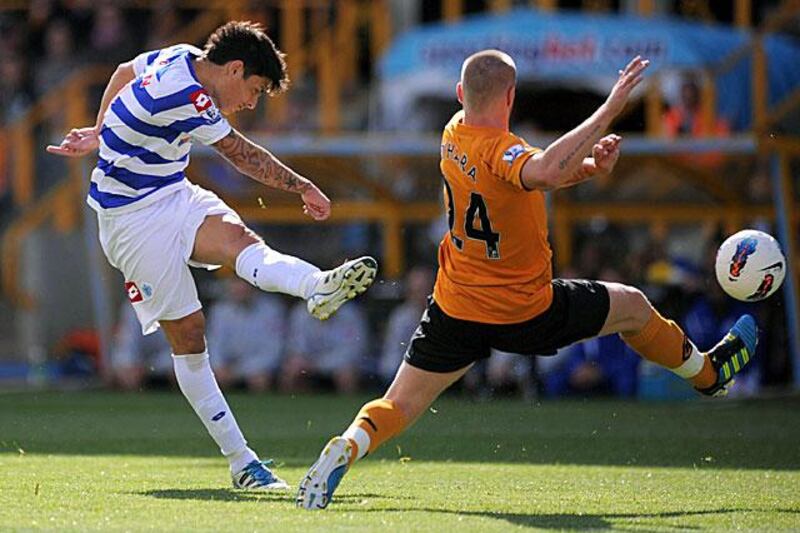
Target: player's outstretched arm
[258, 163]
[82, 141]
[559, 163]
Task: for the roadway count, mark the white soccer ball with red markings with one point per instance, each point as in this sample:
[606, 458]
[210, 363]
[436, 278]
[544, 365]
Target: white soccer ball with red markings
[750, 265]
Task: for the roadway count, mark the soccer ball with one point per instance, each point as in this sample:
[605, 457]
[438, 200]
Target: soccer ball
[750, 265]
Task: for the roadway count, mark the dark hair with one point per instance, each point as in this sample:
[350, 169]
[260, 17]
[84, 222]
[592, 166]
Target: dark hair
[247, 42]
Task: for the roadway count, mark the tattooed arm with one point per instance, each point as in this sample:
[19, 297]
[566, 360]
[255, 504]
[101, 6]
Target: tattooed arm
[605, 154]
[559, 164]
[258, 163]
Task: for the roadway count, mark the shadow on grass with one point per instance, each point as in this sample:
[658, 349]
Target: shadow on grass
[229, 495]
[234, 495]
[580, 521]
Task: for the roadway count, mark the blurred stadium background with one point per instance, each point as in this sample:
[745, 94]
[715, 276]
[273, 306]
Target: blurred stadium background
[712, 145]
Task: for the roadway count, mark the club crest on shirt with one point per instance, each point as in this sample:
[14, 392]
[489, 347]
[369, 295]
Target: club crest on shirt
[211, 114]
[512, 153]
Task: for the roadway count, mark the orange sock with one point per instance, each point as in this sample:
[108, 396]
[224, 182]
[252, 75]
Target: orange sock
[376, 422]
[663, 342]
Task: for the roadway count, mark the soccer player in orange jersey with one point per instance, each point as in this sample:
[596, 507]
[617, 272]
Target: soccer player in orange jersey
[495, 287]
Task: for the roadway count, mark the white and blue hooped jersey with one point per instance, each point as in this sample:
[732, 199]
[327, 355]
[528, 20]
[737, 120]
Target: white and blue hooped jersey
[148, 130]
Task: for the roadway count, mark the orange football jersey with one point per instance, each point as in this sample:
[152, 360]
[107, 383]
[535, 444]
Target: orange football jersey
[495, 262]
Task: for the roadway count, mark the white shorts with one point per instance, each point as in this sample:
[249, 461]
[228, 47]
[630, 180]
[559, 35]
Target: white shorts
[152, 247]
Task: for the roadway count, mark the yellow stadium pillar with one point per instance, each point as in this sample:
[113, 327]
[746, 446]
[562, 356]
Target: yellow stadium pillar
[562, 234]
[545, 5]
[65, 211]
[452, 10]
[654, 114]
[498, 6]
[708, 105]
[743, 13]
[346, 39]
[292, 36]
[328, 79]
[380, 28]
[647, 7]
[23, 162]
[759, 82]
[393, 243]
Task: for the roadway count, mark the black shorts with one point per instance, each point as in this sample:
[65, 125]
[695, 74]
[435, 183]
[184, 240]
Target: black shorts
[442, 343]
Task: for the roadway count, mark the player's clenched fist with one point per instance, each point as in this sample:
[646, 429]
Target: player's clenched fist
[317, 205]
[606, 153]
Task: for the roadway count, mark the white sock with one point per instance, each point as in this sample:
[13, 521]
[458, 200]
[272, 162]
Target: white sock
[272, 271]
[360, 437]
[198, 384]
[692, 365]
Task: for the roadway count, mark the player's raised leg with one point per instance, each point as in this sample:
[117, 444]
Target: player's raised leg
[225, 240]
[662, 341]
[409, 395]
[198, 384]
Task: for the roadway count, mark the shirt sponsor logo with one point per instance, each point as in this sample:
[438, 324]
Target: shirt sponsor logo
[134, 294]
[512, 153]
[138, 292]
[201, 100]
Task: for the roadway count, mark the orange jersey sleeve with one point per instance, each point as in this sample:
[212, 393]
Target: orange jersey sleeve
[494, 262]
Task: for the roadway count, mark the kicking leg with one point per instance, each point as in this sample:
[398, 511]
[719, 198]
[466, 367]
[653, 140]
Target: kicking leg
[197, 383]
[663, 341]
[224, 240]
[409, 395]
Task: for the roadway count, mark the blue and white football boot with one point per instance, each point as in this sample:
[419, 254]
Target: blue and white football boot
[732, 354]
[341, 284]
[320, 482]
[257, 476]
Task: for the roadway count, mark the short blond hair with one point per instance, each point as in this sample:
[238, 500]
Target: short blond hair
[485, 76]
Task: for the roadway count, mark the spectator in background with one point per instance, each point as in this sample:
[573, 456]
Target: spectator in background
[246, 332]
[685, 119]
[60, 59]
[602, 365]
[110, 40]
[510, 371]
[135, 358]
[329, 350]
[14, 101]
[15, 95]
[164, 23]
[403, 320]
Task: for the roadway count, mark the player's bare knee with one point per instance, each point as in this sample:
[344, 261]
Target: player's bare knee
[639, 308]
[630, 309]
[187, 335]
[241, 237]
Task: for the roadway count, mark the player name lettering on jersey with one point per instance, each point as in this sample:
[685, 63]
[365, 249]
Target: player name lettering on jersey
[495, 258]
[451, 151]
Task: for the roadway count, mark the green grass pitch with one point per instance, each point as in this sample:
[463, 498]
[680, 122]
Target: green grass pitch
[100, 461]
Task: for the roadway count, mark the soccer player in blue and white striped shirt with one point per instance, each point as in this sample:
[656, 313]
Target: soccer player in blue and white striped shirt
[154, 224]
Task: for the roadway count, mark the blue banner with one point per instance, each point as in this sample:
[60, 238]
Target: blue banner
[576, 46]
